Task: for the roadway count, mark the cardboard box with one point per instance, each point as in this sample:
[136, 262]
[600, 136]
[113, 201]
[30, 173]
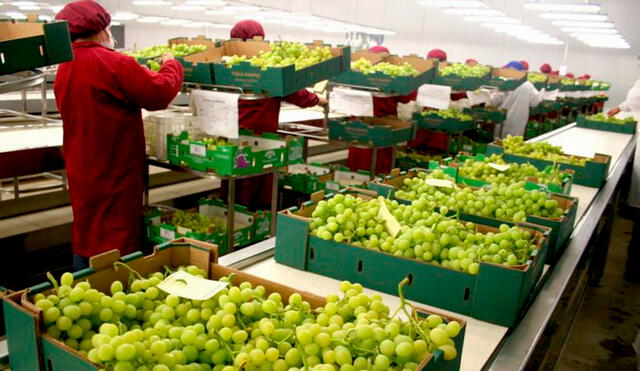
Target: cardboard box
[432, 121]
[498, 294]
[458, 82]
[554, 82]
[400, 85]
[626, 128]
[32, 349]
[311, 178]
[372, 131]
[560, 229]
[274, 81]
[507, 79]
[487, 114]
[32, 44]
[247, 155]
[593, 174]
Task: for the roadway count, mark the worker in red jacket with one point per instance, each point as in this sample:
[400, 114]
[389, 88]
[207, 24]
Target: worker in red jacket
[360, 158]
[262, 116]
[100, 95]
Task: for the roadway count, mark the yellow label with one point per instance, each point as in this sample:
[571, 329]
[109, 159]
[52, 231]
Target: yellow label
[185, 285]
[390, 222]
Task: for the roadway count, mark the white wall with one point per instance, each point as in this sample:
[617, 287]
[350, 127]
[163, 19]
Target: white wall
[420, 29]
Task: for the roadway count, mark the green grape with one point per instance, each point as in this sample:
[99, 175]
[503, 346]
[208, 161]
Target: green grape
[539, 150]
[365, 66]
[450, 113]
[601, 117]
[464, 70]
[535, 77]
[284, 54]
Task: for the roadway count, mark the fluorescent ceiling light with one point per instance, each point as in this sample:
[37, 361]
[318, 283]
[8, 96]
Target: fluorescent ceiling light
[48, 18]
[22, 3]
[596, 37]
[124, 16]
[221, 26]
[56, 8]
[174, 22]
[151, 19]
[219, 12]
[609, 45]
[115, 23]
[29, 7]
[474, 12]
[575, 17]
[453, 4]
[609, 31]
[583, 24]
[242, 8]
[504, 20]
[545, 41]
[206, 2]
[151, 2]
[300, 16]
[16, 15]
[503, 26]
[563, 7]
[188, 8]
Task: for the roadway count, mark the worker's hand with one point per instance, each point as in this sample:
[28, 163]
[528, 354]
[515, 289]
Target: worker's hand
[323, 102]
[166, 57]
[613, 111]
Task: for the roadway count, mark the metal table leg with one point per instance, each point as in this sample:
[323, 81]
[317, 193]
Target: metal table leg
[231, 213]
[393, 157]
[374, 160]
[274, 203]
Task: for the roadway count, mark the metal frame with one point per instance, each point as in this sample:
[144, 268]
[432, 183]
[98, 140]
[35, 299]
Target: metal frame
[231, 193]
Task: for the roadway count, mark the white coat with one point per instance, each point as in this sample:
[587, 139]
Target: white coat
[517, 103]
[631, 107]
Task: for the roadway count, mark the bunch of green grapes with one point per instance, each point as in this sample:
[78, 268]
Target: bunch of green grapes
[539, 150]
[537, 77]
[463, 70]
[450, 113]
[415, 155]
[214, 143]
[154, 52]
[611, 120]
[424, 235]
[482, 170]
[139, 327]
[567, 81]
[197, 223]
[284, 53]
[365, 66]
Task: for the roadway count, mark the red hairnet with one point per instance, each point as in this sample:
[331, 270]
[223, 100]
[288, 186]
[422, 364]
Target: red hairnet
[85, 17]
[586, 76]
[470, 60]
[555, 73]
[247, 29]
[438, 54]
[545, 68]
[379, 49]
[570, 75]
[525, 65]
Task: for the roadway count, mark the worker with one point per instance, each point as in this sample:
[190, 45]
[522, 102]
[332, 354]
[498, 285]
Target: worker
[570, 75]
[517, 103]
[262, 116]
[100, 94]
[360, 158]
[438, 54]
[546, 68]
[525, 65]
[631, 107]
[471, 62]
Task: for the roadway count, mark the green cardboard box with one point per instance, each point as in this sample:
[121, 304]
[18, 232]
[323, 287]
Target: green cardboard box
[507, 79]
[626, 128]
[487, 114]
[273, 81]
[249, 154]
[32, 349]
[498, 294]
[432, 121]
[593, 174]
[32, 44]
[372, 131]
[400, 85]
[311, 178]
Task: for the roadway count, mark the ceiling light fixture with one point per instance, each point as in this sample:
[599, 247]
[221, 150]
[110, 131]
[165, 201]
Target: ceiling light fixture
[609, 31]
[16, 15]
[242, 8]
[206, 2]
[151, 2]
[504, 20]
[151, 19]
[575, 17]
[124, 16]
[563, 7]
[219, 12]
[174, 22]
[188, 8]
[583, 24]
[452, 4]
[474, 12]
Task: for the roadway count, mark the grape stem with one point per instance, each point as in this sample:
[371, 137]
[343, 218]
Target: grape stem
[53, 281]
[116, 265]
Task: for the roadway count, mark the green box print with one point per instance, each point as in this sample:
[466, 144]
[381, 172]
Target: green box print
[498, 294]
[43, 44]
[626, 128]
[560, 229]
[371, 131]
[247, 155]
[593, 174]
[432, 121]
[458, 82]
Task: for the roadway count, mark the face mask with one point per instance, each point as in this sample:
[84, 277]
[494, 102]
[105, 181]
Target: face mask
[111, 43]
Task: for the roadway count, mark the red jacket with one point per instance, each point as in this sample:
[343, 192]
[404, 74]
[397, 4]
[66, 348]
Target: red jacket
[389, 106]
[100, 95]
[261, 115]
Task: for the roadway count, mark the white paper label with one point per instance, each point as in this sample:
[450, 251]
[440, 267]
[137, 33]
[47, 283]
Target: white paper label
[197, 150]
[434, 96]
[499, 167]
[391, 223]
[167, 234]
[443, 183]
[185, 285]
[332, 186]
[479, 96]
[217, 112]
[351, 102]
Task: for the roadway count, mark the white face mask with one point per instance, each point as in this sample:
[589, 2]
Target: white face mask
[111, 43]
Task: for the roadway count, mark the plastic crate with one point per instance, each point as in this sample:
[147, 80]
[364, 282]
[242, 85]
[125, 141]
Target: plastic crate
[497, 294]
[158, 124]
